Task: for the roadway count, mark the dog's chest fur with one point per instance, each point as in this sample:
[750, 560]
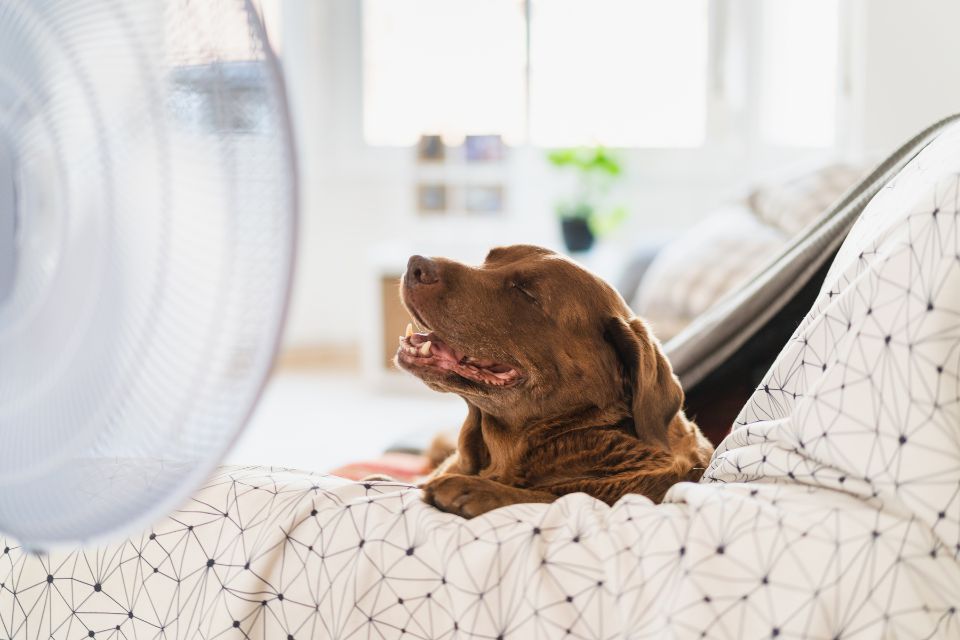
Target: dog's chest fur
[548, 456]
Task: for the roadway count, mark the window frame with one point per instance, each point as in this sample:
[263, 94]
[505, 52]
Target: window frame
[732, 127]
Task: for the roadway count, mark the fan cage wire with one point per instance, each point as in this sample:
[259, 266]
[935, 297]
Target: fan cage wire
[215, 443]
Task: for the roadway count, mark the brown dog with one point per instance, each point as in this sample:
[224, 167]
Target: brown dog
[566, 390]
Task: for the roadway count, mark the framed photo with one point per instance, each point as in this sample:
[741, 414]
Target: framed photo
[432, 198]
[431, 149]
[483, 198]
[486, 148]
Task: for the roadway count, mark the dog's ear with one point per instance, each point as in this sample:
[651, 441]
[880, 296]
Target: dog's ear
[471, 448]
[655, 393]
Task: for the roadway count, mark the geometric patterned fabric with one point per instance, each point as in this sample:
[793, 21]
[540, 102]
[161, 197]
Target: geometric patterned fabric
[832, 510]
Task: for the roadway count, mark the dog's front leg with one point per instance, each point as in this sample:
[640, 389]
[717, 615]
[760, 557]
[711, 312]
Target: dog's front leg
[471, 496]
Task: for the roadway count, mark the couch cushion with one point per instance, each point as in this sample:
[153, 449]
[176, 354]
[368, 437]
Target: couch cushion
[694, 271]
[792, 204]
[723, 251]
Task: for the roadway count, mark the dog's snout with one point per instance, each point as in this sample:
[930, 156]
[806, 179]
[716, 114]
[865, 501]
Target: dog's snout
[422, 271]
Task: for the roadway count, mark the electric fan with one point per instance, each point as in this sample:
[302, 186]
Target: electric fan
[147, 222]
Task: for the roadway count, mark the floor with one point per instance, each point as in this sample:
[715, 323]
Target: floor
[318, 421]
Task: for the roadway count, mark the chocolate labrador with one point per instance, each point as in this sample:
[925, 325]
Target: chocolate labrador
[566, 390]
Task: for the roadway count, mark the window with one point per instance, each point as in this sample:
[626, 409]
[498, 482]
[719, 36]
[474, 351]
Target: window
[624, 73]
[621, 73]
[449, 67]
[799, 72]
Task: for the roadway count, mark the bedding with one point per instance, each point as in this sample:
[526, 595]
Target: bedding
[832, 509]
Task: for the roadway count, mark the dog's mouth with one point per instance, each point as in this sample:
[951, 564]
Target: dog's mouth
[427, 351]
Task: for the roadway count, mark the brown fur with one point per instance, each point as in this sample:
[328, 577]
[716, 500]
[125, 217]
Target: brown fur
[597, 408]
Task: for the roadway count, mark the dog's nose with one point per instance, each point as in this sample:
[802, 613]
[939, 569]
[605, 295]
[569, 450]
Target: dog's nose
[422, 271]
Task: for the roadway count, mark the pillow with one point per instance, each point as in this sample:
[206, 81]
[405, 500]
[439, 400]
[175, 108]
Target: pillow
[691, 273]
[718, 254]
[792, 205]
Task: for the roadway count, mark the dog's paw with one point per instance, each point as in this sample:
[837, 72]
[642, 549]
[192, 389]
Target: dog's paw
[466, 496]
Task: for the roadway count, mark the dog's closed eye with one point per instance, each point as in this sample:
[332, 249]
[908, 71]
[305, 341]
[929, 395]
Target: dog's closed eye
[525, 289]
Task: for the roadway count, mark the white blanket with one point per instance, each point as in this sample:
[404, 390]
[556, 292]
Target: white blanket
[831, 511]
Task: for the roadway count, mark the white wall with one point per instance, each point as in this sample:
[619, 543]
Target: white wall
[906, 68]
[345, 187]
[358, 201]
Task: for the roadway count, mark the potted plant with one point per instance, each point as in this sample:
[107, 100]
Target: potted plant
[586, 214]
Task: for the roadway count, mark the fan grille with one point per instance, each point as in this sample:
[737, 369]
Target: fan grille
[154, 225]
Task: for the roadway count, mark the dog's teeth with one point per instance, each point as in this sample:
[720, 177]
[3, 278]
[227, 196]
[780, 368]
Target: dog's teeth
[409, 330]
[425, 348]
[402, 339]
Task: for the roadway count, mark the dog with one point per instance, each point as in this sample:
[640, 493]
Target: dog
[566, 390]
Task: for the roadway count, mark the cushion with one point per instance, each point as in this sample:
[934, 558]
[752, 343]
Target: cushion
[721, 252]
[696, 270]
[395, 464]
[792, 204]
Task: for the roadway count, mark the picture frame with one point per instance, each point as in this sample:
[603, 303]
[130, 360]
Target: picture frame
[432, 198]
[484, 148]
[431, 148]
[483, 199]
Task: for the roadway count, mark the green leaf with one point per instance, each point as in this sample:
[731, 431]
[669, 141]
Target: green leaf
[602, 224]
[562, 157]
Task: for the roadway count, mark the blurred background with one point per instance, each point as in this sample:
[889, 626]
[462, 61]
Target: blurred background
[671, 147]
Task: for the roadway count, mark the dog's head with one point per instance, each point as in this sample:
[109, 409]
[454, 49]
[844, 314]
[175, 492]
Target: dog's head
[529, 335]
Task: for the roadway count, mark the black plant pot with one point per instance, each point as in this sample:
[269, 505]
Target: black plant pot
[576, 234]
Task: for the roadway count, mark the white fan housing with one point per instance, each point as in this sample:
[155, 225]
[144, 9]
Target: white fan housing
[147, 223]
